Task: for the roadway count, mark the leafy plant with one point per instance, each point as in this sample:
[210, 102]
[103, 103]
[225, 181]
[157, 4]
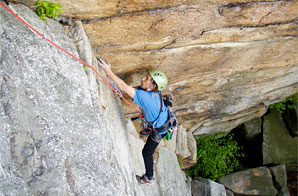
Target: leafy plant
[216, 157]
[47, 9]
[286, 103]
[180, 161]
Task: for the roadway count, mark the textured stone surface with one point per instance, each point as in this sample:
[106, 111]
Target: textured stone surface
[171, 144]
[257, 181]
[98, 9]
[253, 128]
[225, 62]
[229, 193]
[226, 59]
[182, 147]
[279, 174]
[206, 187]
[192, 147]
[57, 131]
[63, 132]
[278, 146]
[171, 179]
[290, 117]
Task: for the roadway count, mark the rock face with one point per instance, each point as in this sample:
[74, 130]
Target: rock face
[53, 131]
[257, 181]
[182, 147]
[280, 175]
[171, 179]
[219, 57]
[290, 117]
[226, 59]
[278, 146]
[206, 187]
[253, 128]
[63, 132]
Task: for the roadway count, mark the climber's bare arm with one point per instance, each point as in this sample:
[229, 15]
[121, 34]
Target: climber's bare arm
[130, 91]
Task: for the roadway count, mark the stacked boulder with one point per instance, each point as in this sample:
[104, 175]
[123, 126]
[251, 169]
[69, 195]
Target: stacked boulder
[274, 143]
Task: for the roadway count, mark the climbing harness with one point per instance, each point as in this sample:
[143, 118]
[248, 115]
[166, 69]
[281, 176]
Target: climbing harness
[147, 126]
[13, 12]
[168, 128]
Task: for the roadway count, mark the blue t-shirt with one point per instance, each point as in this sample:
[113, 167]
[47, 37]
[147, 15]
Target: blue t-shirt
[150, 103]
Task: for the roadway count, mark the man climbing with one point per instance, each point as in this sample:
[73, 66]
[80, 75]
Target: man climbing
[148, 97]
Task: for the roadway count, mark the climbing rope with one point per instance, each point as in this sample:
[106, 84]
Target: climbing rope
[44, 37]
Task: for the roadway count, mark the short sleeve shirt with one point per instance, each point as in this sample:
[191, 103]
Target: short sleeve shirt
[150, 104]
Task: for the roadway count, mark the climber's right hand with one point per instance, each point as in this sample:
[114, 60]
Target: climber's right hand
[104, 64]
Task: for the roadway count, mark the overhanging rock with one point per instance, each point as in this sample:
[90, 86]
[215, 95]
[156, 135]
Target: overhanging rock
[57, 137]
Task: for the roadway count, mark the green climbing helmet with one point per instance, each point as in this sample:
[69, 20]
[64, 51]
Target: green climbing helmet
[160, 79]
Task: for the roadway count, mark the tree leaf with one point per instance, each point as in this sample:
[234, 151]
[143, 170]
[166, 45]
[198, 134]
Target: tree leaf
[38, 2]
[45, 3]
[39, 11]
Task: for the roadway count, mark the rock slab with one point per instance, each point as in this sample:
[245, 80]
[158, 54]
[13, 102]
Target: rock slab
[59, 134]
[206, 187]
[257, 181]
[278, 145]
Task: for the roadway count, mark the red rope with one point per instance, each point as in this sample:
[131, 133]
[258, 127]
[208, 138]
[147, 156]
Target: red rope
[41, 35]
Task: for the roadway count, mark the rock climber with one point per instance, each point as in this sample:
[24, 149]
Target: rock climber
[156, 114]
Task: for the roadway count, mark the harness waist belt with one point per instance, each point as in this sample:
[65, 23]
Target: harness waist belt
[166, 125]
[163, 127]
[160, 128]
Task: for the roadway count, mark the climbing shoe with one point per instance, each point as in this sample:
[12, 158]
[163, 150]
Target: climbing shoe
[145, 180]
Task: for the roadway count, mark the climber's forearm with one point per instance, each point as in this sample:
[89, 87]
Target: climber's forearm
[120, 83]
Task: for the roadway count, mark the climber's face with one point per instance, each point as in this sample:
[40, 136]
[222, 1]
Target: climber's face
[147, 82]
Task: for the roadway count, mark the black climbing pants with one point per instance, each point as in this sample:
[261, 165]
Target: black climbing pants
[147, 153]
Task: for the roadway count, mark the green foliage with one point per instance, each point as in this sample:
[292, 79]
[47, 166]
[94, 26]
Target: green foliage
[180, 161]
[216, 157]
[47, 9]
[286, 103]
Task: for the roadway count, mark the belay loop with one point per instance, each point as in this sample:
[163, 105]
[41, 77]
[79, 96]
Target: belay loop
[146, 127]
